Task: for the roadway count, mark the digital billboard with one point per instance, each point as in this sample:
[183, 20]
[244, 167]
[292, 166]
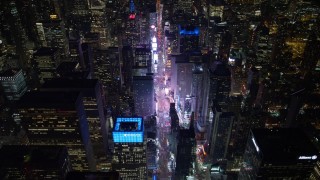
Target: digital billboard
[128, 130]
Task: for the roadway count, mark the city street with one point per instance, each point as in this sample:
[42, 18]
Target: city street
[165, 159]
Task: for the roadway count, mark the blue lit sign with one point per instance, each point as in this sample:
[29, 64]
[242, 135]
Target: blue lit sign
[128, 130]
[195, 31]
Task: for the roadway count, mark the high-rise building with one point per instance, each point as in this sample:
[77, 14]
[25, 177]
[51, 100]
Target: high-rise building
[52, 34]
[13, 84]
[128, 59]
[75, 48]
[143, 95]
[151, 151]
[58, 118]
[94, 105]
[220, 134]
[46, 60]
[142, 58]
[72, 70]
[14, 32]
[107, 68]
[185, 153]
[34, 162]
[220, 84]
[278, 154]
[185, 6]
[182, 83]
[188, 38]
[99, 21]
[200, 91]
[78, 15]
[93, 175]
[129, 148]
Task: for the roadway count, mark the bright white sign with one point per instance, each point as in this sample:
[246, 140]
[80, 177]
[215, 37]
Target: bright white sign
[255, 144]
[309, 157]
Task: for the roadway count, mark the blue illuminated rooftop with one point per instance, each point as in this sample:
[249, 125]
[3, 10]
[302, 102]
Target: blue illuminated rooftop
[191, 31]
[128, 124]
[128, 130]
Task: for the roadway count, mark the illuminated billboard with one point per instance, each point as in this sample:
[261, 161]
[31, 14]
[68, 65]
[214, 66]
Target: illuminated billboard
[128, 130]
[155, 57]
[154, 39]
[154, 46]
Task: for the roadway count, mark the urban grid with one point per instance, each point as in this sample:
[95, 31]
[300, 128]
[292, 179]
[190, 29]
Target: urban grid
[160, 89]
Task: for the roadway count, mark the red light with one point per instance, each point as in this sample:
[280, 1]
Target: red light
[132, 16]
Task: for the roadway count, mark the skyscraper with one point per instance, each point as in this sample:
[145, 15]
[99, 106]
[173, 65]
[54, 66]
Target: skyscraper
[58, 118]
[143, 95]
[13, 84]
[188, 38]
[278, 154]
[143, 58]
[14, 32]
[182, 83]
[220, 84]
[93, 175]
[185, 153]
[34, 162]
[78, 15]
[129, 148]
[107, 68]
[93, 100]
[220, 134]
[46, 60]
[52, 34]
[75, 48]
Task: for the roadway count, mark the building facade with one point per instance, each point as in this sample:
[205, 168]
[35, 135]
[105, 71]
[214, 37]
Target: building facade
[129, 148]
[58, 118]
[34, 162]
[143, 95]
[94, 107]
[13, 84]
[278, 154]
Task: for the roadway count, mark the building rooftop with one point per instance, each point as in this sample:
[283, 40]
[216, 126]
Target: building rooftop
[67, 67]
[37, 157]
[49, 99]
[189, 30]
[93, 176]
[128, 130]
[143, 78]
[45, 51]
[285, 145]
[9, 73]
[220, 69]
[93, 36]
[128, 124]
[70, 84]
[142, 50]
